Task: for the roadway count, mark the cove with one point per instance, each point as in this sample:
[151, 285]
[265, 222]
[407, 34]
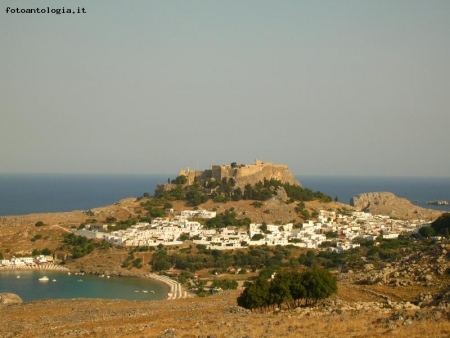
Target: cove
[60, 285]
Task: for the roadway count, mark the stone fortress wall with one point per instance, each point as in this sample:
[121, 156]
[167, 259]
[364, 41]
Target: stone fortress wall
[243, 173]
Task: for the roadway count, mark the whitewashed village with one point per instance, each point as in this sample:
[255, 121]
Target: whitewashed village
[311, 234]
[175, 230]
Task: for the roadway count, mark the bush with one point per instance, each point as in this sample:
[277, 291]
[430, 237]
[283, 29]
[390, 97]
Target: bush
[39, 224]
[225, 284]
[35, 238]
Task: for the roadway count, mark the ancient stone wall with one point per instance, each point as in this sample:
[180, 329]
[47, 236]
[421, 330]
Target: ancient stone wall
[243, 174]
[258, 173]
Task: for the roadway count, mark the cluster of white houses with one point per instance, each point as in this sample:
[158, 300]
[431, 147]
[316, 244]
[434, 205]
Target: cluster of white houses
[21, 262]
[174, 231]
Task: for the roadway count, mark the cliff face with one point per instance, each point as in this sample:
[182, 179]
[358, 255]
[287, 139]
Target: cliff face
[386, 203]
[264, 171]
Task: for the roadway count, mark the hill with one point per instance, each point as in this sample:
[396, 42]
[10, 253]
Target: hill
[386, 203]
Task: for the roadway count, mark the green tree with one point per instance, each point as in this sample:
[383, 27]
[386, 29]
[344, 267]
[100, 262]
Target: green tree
[297, 289]
[46, 252]
[319, 284]
[257, 237]
[39, 224]
[160, 261]
[441, 223]
[180, 180]
[280, 289]
[256, 295]
[426, 231]
[225, 284]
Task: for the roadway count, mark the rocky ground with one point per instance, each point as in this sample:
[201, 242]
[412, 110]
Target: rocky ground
[219, 316]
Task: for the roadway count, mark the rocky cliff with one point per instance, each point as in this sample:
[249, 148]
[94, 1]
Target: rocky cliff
[386, 203]
[241, 174]
[262, 171]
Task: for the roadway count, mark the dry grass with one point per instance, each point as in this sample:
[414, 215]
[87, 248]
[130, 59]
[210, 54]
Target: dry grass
[196, 317]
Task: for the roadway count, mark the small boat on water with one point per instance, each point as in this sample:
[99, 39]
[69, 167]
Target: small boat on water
[80, 280]
[152, 291]
[136, 291]
[43, 279]
[54, 280]
[68, 273]
[18, 277]
[144, 291]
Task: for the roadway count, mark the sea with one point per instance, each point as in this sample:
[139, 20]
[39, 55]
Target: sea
[26, 284]
[37, 193]
[22, 194]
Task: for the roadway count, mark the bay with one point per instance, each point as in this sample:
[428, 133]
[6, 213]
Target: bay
[65, 286]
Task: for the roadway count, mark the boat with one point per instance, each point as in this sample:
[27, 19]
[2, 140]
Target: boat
[144, 291]
[68, 273]
[54, 280]
[152, 291]
[18, 277]
[43, 279]
[80, 280]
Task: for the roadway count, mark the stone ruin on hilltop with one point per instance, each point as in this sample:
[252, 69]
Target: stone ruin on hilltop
[242, 174]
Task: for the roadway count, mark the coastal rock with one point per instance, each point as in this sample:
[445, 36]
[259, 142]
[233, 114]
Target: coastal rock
[10, 299]
[386, 203]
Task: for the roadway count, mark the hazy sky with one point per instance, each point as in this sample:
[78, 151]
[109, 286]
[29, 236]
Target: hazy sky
[327, 87]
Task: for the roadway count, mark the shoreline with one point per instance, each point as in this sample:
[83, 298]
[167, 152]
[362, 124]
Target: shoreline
[176, 290]
[45, 266]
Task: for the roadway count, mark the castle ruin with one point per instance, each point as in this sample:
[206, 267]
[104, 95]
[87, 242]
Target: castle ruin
[242, 174]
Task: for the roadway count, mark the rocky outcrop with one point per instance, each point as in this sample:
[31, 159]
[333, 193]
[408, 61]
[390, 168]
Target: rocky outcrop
[9, 299]
[240, 174]
[424, 268]
[386, 203]
[252, 174]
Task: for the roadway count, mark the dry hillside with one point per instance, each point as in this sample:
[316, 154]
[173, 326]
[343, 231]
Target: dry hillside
[407, 299]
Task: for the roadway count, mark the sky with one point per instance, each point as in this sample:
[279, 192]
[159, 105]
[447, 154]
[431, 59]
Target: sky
[326, 87]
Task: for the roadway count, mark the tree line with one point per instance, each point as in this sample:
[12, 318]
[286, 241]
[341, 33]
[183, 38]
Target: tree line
[253, 258]
[225, 190]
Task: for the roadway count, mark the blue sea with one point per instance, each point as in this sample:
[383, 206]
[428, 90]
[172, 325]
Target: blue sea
[33, 193]
[22, 194]
[60, 285]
